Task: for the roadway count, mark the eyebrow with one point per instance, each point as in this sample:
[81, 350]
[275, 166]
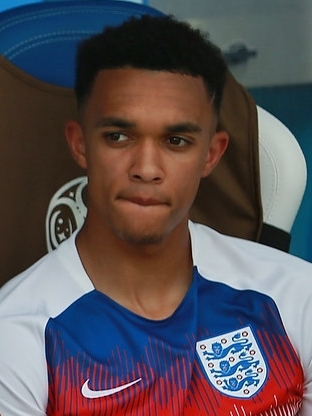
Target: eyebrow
[114, 122]
[183, 127]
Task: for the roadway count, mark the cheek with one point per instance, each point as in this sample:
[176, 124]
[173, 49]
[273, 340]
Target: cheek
[99, 178]
[102, 164]
[196, 168]
[187, 181]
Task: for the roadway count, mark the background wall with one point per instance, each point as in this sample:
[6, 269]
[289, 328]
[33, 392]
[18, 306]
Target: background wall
[279, 30]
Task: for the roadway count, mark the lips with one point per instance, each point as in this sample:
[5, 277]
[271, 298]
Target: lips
[144, 201]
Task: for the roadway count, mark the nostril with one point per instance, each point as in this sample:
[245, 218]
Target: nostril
[145, 178]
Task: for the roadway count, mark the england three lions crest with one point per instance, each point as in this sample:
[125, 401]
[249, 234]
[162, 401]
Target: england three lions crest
[233, 363]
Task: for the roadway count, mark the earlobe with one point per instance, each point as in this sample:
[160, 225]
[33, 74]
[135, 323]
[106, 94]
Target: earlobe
[218, 145]
[76, 142]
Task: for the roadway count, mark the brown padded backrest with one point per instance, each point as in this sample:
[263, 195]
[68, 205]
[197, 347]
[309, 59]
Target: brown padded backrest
[35, 163]
[229, 200]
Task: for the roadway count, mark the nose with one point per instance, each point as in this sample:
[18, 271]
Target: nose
[146, 166]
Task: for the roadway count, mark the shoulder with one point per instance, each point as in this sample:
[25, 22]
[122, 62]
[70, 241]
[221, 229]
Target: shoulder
[246, 265]
[219, 255]
[27, 302]
[51, 283]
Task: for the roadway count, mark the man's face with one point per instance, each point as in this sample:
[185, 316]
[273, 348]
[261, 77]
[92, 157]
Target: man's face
[147, 138]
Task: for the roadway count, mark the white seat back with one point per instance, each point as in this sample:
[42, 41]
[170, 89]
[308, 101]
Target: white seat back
[283, 172]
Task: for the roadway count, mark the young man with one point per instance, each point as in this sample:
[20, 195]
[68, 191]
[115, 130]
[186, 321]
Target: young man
[142, 312]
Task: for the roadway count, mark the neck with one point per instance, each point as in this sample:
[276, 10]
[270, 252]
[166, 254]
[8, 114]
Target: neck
[150, 280]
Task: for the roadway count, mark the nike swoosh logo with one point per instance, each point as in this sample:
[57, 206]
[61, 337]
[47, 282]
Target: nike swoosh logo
[95, 394]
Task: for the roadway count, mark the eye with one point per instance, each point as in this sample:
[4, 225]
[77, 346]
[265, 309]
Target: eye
[177, 141]
[116, 137]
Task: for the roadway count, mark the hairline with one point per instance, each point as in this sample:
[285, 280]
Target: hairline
[210, 97]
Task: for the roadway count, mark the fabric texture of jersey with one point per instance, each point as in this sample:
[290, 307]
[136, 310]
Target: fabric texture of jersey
[238, 344]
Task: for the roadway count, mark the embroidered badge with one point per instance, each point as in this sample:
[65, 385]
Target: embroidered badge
[233, 363]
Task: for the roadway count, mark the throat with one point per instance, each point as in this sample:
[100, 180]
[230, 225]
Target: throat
[152, 295]
[150, 283]
[156, 303]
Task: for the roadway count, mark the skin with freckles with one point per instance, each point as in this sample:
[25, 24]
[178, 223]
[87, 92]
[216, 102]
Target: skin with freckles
[146, 138]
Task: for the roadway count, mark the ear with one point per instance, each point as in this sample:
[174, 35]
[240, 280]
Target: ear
[218, 145]
[76, 142]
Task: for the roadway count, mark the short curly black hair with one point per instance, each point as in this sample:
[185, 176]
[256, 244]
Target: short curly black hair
[152, 43]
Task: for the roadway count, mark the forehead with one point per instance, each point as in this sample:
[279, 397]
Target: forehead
[129, 89]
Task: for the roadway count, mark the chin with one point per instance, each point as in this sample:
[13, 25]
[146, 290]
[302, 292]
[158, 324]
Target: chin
[143, 231]
[140, 238]
[139, 234]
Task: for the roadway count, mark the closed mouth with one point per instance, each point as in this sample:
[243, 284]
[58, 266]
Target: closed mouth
[144, 201]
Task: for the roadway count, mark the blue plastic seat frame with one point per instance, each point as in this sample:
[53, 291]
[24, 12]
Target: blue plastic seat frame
[41, 38]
